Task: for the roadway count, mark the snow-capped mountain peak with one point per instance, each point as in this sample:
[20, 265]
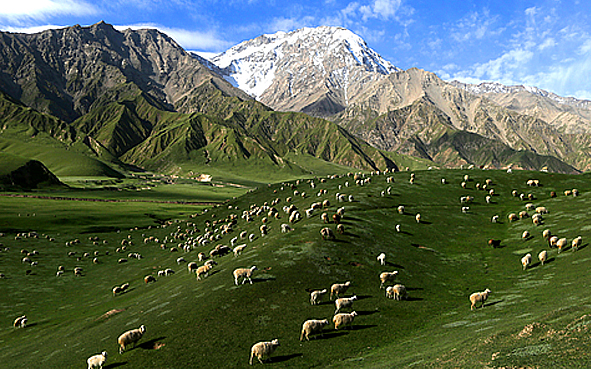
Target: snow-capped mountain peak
[333, 54]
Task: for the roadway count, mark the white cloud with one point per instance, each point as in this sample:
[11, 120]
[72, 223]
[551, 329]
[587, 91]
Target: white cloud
[475, 26]
[41, 9]
[33, 29]
[194, 40]
[290, 24]
[384, 9]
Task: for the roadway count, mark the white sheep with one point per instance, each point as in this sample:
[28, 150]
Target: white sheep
[401, 209]
[20, 322]
[251, 237]
[494, 219]
[561, 243]
[238, 249]
[192, 266]
[525, 235]
[543, 256]
[203, 271]
[344, 302]
[479, 297]
[382, 258]
[339, 288]
[418, 217]
[343, 319]
[263, 350]
[130, 337]
[180, 260]
[312, 326]
[577, 243]
[397, 228]
[316, 296]
[396, 292]
[525, 261]
[327, 234]
[487, 198]
[387, 277]
[553, 241]
[97, 361]
[286, 228]
[245, 273]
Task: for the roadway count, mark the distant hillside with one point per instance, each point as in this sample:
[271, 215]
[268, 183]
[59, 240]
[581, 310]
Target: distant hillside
[332, 73]
[17, 173]
[136, 98]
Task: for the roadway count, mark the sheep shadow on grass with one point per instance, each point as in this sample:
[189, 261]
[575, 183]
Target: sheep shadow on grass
[330, 334]
[151, 344]
[359, 327]
[583, 246]
[410, 298]
[493, 303]
[368, 312]
[114, 365]
[282, 358]
[394, 265]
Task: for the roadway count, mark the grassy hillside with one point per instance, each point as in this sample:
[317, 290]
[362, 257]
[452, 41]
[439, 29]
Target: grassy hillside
[441, 260]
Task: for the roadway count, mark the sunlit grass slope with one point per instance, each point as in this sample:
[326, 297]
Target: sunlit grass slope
[212, 322]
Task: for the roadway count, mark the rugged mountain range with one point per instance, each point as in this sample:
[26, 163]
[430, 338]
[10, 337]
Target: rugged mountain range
[136, 98]
[330, 72]
[114, 101]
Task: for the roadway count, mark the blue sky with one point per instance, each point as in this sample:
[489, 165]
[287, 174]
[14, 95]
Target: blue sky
[546, 44]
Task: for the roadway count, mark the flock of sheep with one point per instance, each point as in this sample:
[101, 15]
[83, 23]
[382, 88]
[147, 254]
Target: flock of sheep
[216, 230]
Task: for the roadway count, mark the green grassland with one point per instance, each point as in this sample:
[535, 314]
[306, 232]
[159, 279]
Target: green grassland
[533, 318]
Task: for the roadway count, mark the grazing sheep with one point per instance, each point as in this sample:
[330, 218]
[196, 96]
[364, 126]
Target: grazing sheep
[327, 234]
[487, 198]
[387, 277]
[541, 210]
[343, 319]
[251, 237]
[512, 217]
[263, 350]
[124, 287]
[344, 302]
[203, 271]
[264, 230]
[340, 228]
[192, 266]
[479, 297]
[525, 235]
[316, 296]
[245, 273]
[418, 217]
[397, 228]
[97, 361]
[382, 258]
[238, 249]
[530, 206]
[130, 337]
[543, 256]
[180, 260]
[324, 217]
[397, 292]
[351, 199]
[523, 214]
[546, 234]
[494, 243]
[525, 261]
[465, 209]
[336, 218]
[341, 211]
[201, 256]
[553, 241]
[149, 278]
[325, 204]
[20, 322]
[561, 244]
[576, 243]
[286, 228]
[338, 289]
[312, 326]
[494, 219]
[78, 271]
[117, 290]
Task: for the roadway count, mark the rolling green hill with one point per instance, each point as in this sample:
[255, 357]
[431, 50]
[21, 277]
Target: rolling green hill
[533, 318]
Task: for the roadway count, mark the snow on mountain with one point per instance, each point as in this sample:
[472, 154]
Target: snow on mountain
[498, 88]
[323, 52]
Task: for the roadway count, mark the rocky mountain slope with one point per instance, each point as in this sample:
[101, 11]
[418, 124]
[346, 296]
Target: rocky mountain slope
[313, 70]
[137, 98]
[317, 71]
